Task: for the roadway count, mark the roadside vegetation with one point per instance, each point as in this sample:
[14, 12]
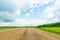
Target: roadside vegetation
[53, 27]
[7, 27]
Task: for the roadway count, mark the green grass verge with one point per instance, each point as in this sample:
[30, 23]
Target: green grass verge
[9, 27]
[4, 28]
[51, 29]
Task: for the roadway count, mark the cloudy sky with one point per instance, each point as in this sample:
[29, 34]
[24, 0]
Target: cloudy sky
[29, 12]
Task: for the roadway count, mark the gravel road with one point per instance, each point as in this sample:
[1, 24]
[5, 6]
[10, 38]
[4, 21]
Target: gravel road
[27, 34]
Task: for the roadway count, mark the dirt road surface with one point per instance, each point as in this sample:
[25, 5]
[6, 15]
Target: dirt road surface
[27, 34]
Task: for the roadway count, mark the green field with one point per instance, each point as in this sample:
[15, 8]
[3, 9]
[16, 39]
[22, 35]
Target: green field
[51, 29]
[6, 27]
[9, 27]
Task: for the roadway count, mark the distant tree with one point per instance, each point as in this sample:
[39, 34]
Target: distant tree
[50, 25]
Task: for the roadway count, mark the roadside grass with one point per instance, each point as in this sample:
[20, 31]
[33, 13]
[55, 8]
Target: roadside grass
[10, 27]
[51, 29]
[5, 27]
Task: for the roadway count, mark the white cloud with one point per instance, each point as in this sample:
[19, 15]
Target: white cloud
[16, 5]
[17, 13]
[50, 15]
[49, 12]
[4, 24]
[37, 21]
[57, 4]
[24, 22]
[53, 20]
[21, 21]
[27, 14]
[46, 1]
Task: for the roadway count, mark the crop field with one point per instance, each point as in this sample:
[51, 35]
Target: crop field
[51, 29]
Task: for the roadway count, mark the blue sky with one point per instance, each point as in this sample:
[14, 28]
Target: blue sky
[29, 12]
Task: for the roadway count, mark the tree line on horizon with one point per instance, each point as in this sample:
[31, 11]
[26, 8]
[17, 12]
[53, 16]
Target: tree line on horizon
[50, 25]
